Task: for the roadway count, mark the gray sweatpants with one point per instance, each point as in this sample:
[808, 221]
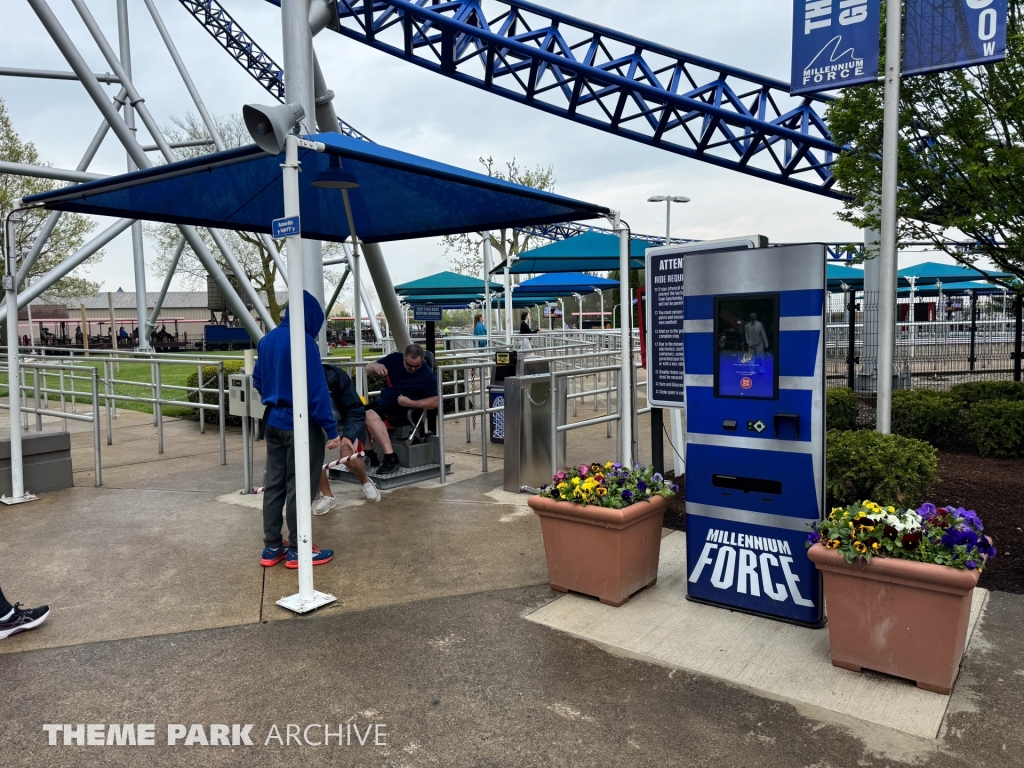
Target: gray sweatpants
[280, 481]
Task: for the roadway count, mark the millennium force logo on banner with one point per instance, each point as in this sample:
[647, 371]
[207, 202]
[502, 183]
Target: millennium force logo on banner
[948, 34]
[835, 44]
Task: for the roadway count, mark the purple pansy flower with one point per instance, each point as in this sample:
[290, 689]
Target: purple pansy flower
[971, 565]
[627, 494]
[641, 486]
[926, 510]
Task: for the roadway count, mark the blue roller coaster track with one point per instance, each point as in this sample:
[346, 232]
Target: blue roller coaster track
[586, 73]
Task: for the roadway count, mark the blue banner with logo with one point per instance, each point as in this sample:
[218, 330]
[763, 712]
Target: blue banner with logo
[835, 44]
[949, 34]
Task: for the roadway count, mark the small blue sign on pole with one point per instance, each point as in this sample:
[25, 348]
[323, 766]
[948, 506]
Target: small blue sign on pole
[286, 227]
[427, 313]
[835, 44]
[950, 34]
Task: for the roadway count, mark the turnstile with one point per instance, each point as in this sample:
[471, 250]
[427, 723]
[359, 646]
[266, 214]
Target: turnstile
[529, 422]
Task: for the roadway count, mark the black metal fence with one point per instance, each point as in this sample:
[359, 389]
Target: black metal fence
[942, 339]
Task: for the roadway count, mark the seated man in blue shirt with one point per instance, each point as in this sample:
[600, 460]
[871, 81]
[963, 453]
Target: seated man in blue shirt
[408, 383]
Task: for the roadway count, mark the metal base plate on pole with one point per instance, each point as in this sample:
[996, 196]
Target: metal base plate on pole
[10, 500]
[296, 604]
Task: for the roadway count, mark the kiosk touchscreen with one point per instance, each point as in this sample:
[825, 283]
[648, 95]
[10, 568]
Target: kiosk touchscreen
[753, 337]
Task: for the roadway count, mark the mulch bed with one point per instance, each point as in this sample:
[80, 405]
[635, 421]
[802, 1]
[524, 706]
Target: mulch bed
[992, 487]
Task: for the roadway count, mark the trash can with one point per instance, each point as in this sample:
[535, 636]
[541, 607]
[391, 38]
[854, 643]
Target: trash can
[528, 425]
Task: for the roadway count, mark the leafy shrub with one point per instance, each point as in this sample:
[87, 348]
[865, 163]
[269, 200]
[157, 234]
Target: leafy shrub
[841, 408]
[982, 391]
[998, 428]
[925, 414]
[210, 382]
[890, 469]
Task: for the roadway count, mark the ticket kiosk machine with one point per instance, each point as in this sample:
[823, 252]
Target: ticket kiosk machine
[753, 337]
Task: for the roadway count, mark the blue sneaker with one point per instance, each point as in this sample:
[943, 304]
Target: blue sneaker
[272, 556]
[320, 556]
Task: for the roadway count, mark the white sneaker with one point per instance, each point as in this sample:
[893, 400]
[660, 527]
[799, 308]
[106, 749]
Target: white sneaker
[324, 505]
[370, 492]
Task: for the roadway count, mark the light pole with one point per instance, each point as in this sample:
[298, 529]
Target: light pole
[579, 301]
[675, 418]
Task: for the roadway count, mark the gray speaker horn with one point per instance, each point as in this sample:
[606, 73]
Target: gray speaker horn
[269, 126]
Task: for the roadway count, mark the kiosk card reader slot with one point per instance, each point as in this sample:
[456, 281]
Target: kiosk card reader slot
[753, 346]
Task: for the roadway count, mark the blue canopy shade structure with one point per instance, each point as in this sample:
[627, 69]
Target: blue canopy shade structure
[930, 272]
[563, 284]
[400, 196]
[445, 283]
[587, 251]
[838, 274]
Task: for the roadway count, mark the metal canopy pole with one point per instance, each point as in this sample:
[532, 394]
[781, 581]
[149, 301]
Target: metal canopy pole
[18, 494]
[166, 285]
[887, 256]
[626, 342]
[337, 291]
[307, 599]
[138, 252]
[488, 266]
[124, 135]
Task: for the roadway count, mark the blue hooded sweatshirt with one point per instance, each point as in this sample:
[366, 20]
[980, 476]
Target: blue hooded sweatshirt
[272, 376]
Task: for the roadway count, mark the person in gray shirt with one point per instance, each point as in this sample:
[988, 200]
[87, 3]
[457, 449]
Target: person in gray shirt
[755, 337]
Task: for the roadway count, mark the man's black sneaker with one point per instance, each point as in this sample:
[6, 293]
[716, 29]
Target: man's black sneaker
[389, 465]
[23, 619]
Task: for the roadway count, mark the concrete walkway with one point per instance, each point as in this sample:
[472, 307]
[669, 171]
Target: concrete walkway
[162, 616]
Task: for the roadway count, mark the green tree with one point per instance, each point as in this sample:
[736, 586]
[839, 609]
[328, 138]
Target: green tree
[253, 255]
[465, 251]
[961, 157]
[69, 234]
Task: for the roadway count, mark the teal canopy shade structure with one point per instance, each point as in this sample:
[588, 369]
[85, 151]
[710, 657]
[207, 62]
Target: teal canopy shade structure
[400, 196]
[591, 251]
[445, 284]
[930, 272]
[563, 284]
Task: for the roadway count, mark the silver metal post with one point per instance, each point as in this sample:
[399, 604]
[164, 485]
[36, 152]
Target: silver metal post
[220, 413]
[247, 484]
[440, 419]
[35, 388]
[18, 494]
[158, 409]
[108, 402]
[202, 413]
[553, 394]
[96, 428]
[625, 397]
[63, 402]
[485, 420]
[887, 256]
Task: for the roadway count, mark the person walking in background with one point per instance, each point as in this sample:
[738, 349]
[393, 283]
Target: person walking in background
[15, 619]
[479, 329]
[272, 378]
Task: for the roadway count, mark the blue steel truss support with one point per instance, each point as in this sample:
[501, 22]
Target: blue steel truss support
[607, 80]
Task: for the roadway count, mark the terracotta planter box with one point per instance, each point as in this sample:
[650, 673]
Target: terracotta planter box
[606, 553]
[896, 616]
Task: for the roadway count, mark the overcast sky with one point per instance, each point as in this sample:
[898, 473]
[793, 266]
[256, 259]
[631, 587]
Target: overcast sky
[403, 106]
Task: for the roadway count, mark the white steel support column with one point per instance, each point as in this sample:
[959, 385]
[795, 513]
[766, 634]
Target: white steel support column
[307, 599]
[18, 494]
[626, 411]
[488, 266]
[298, 85]
[887, 256]
[138, 246]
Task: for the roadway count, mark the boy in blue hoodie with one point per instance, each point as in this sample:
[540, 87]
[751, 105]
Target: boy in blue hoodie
[272, 378]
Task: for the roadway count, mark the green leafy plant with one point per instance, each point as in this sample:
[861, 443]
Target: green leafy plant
[841, 408]
[997, 427]
[210, 382]
[980, 391]
[611, 485]
[864, 464]
[929, 415]
[949, 536]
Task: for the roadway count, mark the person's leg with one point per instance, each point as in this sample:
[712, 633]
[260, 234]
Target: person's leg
[276, 481]
[5, 607]
[378, 431]
[325, 484]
